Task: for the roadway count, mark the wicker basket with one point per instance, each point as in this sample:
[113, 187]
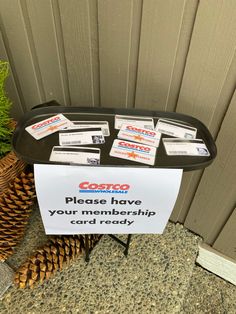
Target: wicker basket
[10, 167]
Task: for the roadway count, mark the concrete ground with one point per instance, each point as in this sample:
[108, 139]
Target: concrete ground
[159, 276]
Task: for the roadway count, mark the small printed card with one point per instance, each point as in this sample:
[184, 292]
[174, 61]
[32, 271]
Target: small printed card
[75, 155]
[143, 122]
[81, 137]
[175, 129]
[183, 147]
[133, 151]
[104, 125]
[140, 135]
[48, 126]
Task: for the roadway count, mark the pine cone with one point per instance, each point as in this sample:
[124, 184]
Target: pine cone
[14, 212]
[57, 253]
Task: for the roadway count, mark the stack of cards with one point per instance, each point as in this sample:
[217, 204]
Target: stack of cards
[184, 143]
[141, 130]
[142, 139]
[137, 139]
[81, 133]
[72, 134]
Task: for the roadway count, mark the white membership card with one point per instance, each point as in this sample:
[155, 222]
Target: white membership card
[104, 125]
[81, 136]
[175, 129]
[75, 155]
[143, 122]
[133, 151]
[183, 147]
[48, 126]
[140, 135]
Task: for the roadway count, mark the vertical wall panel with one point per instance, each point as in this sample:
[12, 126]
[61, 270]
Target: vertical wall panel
[11, 89]
[42, 22]
[14, 28]
[187, 26]
[216, 195]
[183, 201]
[165, 35]
[119, 23]
[209, 77]
[226, 241]
[209, 60]
[94, 47]
[77, 18]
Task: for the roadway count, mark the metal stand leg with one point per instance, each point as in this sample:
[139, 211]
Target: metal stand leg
[126, 245]
[86, 248]
[126, 251]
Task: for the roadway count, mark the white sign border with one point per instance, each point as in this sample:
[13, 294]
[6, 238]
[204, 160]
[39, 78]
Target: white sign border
[48, 192]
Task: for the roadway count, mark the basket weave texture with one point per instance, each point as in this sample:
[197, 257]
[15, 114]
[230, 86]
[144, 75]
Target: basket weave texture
[10, 167]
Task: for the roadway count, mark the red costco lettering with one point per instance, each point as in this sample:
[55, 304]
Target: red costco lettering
[134, 146]
[132, 128]
[103, 186]
[41, 124]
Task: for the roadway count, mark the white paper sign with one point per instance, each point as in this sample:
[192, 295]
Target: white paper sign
[105, 200]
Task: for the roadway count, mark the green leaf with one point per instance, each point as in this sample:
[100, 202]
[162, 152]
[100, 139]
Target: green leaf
[5, 106]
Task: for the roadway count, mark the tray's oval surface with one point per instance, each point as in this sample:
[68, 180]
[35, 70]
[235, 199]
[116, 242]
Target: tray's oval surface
[38, 151]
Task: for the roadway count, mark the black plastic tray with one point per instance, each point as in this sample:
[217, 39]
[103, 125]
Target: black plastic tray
[38, 151]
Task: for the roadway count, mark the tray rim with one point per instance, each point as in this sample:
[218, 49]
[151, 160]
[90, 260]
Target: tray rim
[54, 107]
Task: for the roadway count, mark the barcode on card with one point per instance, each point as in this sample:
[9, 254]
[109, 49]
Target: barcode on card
[105, 132]
[179, 152]
[166, 132]
[74, 142]
[148, 127]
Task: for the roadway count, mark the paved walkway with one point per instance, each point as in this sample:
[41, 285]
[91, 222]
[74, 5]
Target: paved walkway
[159, 276]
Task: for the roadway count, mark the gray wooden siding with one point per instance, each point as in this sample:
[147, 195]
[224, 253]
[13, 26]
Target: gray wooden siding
[175, 55]
[226, 241]
[214, 200]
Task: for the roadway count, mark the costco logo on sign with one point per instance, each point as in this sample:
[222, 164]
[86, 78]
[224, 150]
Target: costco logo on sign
[87, 187]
